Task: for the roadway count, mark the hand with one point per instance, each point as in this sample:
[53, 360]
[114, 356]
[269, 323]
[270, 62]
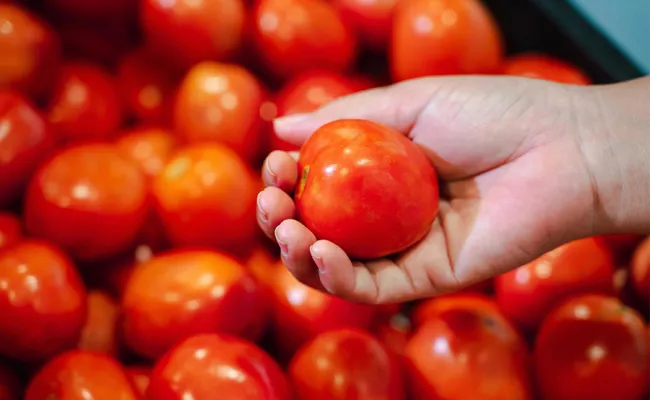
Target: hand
[515, 183]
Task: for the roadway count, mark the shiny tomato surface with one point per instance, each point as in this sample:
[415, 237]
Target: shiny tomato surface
[11, 231]
[592, 347]
[100, 333]
[434, 308]
[365, 187]
[42, 302]
[140, 376]
[543, 66]
[206, 366]
[371, 20]
[641, 272]
[149, 146]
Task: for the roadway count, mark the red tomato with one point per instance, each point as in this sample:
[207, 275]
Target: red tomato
[434, 308]
[206, 196]
[86, 104]
[96, 9]
[207, 365]
[262, 265]
[444, 37]
[140, 378]
[365, 187]
[42, 302]
[186, 32]
[528, 293]
[592, 347]
[10, 387]
[372, 20]
[468, 353]
[99, 334]
[30, 52]
[78, 200]
[544, 66]
[221, 102]
[149, 146]
[80, 375]
[641, 272]
[11, 231]
[395, 333]
[26, 140]
[293, 36]
[345, 364]
[180, 294]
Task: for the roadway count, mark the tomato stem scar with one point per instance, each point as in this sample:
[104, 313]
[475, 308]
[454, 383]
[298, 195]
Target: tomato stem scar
[303, 181]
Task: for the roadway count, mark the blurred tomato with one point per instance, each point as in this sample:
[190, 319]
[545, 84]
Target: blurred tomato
[81, 375]
[262, 265]
[25, 141]
[293, 36]
[140, 377]
[10, 387]
[180, 294]
[207, 365]
[149, 146]
[30, 52]
[528, 293]
[395, 332]
[42, 302]
[99, 334]
[544, 66]
[78, 200]
[444, 37]
[86, 105]
[95, 9]
[592, 347]
[11, 231]
[641, 272]
[434, 308]
[345, 364]
[372, 20]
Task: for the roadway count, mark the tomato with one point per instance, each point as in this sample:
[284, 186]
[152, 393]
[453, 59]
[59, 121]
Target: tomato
[592, 347]
[140, 377]
[80, 375]
[468, 353]
[113, 275]
[395, 333]
[42, 302]
[641, 272]
[205, 365]
[11, 231]
[149, 146]
[444, 37]
[365, 187]
[528, 293]
[99, 334]
[86, 104]
[26, 140]
[293, 36]
[96, 9]
[78, 200]
[186, 32]
[10, 387]
[434, 308]
[262, 265]
[544, 66]
[345, 364]
[372, 20]
[206, 196]
[221, 102]
[622, 246]
[187, 292]
[30, 52]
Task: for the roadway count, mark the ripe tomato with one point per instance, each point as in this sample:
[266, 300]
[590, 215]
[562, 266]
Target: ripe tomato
[26, 140]
[149, 146]
[78, 200]
[206, 196]
[394, 333]
[544, 66]
[188, 292]
[528, 293]
[81, 375]
[622, 246]
[444, 37]
[434, 308]
[30, 52]
[221, 102]
[86, 104]
[187, 32]
[42, 302]
[99, 334]
[289, 45]
[345, 364]
[365, 187]
[205, 365]
[10, 387]
[641, 272]
[468, 353]
[372, 20]
[262, 265]
[11, 231]
[140, 377]
[592, 347]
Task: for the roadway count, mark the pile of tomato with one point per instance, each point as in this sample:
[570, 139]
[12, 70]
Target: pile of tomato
[131, 265]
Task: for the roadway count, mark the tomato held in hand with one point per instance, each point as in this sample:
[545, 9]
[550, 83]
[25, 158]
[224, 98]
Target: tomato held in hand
[372, 20]
[78, 375]
[11, 231]
[543, 66]
[641, 272]
[99, 334]
[206, 366]
[592, 347]
[42, 302]
[444, 37]
[528, 293]
[365, 187]
[10, 387]
[149, 146]
[79, 200]
[294, 36]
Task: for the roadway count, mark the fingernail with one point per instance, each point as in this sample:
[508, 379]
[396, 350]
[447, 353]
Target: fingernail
[261, 212]
[270, 170]
[284, 249]
[318, 258]
[284, 123]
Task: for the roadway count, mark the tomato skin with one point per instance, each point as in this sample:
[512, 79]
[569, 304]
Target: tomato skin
[372, 20]
[529, 292]
[394, 333]
[543, 66]
[592, 347]
[289, 46]
[99, 333]
[27, 141]
[78, 375]
[434, 308]
[345, 364]
[212, 292]
[443, 37]
[148, 146]
[365, 187]
[10, 386]
[11, 230]
[640, 272]
[42, 302]
[140, 377]
[194, 369]
[77, 200]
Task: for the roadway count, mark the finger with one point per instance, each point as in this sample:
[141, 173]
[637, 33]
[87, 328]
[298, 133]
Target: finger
[294, 240]
[273, 207]
[280, 170]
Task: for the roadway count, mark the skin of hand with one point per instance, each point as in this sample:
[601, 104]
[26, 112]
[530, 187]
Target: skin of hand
[524, 165]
